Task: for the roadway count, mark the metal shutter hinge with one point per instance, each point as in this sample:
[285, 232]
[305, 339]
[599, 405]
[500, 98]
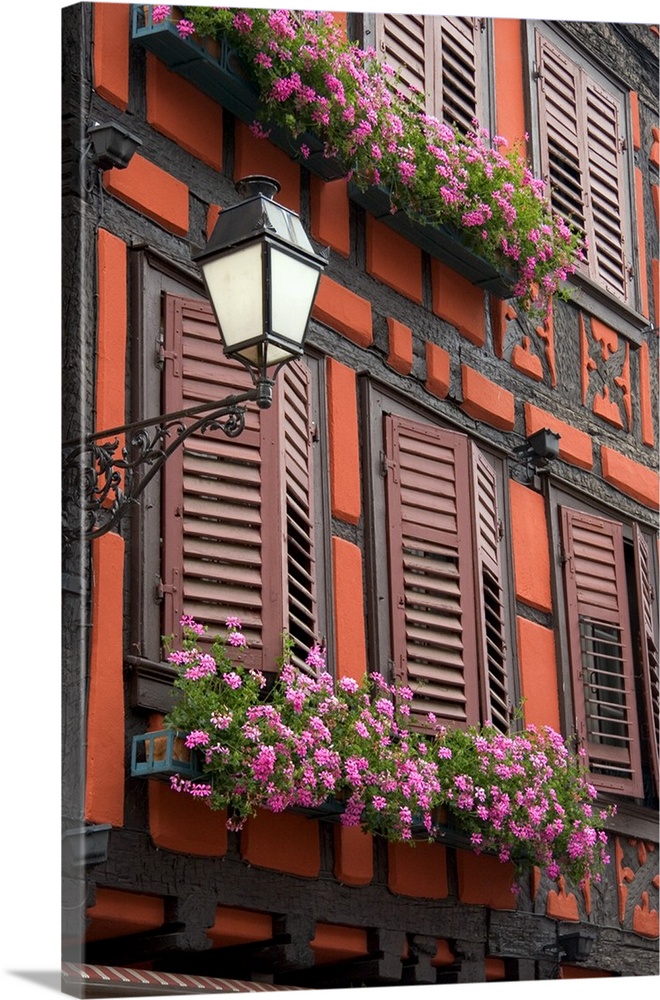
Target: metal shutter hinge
[385, 465]
[164, 588]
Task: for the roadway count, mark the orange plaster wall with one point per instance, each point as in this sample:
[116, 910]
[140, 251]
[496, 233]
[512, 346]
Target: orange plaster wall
[179, 823]
[330, 223]
[458, 301]
[350, 633]
[575, 446]
[116, 912]
[394, 260]
[233, 926]
[344, 311]
[284, 842]
[579, 972]
[343, 441]
[212, 216]
[354, 855]
[104, 790]
[531, 552]
[438, 370]
[418, 870]
[509, 96]
[645, 404]
[641, 242]
[399, 338]
[630, 477]
[484, 881]
[183, 113]
[151, 190]
[111, 44]
[111, 344]
[486, 400]
[258, 156]
[538, 674]
[495, 969]
[336, 943]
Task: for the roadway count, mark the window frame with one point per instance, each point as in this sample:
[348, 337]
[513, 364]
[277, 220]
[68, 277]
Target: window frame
[153, 276]
[624, 313]
[558, 497]
[377, 401]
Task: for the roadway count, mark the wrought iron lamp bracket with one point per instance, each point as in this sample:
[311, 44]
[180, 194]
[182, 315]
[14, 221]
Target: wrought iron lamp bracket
[101, 483]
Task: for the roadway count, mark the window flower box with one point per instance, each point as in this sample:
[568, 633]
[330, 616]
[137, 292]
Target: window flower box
[332, 809]
[445, 243]
[215, 69]
[161, 755]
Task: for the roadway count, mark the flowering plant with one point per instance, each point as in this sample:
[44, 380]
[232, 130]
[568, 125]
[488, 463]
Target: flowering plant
[304, 739]
[260, 750]
[524, 793]
[313, 81]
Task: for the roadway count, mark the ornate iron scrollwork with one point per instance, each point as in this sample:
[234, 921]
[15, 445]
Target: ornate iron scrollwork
[100, 483]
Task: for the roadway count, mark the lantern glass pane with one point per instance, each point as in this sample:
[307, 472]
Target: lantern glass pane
[235, 284]
[293, 286]
[274, 354]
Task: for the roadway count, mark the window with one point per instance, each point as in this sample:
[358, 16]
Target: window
[441, 58]
[440, 612]
[231, 526]
[239, 531]
[583, 155]
[612, 650]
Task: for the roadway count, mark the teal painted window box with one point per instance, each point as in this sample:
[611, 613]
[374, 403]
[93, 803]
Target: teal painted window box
[442, 242]
[162, 754]
[331, 809]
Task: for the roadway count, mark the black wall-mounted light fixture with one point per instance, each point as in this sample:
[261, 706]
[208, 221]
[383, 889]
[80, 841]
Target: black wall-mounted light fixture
[85, 846]
[111, 145]
[536, 454]
[573, 946]
[576, 946]
[262, 276]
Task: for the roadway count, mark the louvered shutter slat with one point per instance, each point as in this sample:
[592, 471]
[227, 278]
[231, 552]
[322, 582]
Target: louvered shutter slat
[432, 600]
[600, 650]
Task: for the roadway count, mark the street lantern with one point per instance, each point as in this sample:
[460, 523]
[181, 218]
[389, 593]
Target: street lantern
[261, 274]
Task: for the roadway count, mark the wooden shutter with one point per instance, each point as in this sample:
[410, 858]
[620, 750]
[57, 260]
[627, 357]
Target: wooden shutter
[238, 513]
[438, 57]
[212, 502]
[581, 159]
[432, 595]
[562, 148]
[648, 650]
[489, 592]
[601, 650]
[290, 586]
[606, 189]
[405, 42]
